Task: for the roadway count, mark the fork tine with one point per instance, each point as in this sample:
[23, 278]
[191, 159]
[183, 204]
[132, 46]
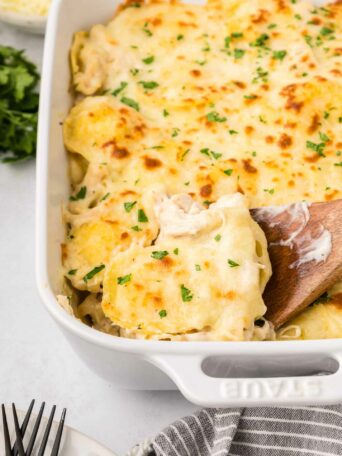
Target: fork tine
[19, 440]
[35, 431]
[23, 426]
[58, 438]
[6, 433]
[46, 433]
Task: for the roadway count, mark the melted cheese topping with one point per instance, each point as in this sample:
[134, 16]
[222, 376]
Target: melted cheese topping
[203, 273]
[231, 96]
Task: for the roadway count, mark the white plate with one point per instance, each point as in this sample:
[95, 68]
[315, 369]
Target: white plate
[73, 443]
[32, 24]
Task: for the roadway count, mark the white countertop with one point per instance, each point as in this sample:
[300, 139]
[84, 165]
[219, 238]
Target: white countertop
[35, 360]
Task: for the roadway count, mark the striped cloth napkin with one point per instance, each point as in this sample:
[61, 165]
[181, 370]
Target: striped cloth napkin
[276, 431]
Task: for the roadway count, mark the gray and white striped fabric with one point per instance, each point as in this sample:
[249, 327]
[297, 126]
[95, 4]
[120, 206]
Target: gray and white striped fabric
[278, 431]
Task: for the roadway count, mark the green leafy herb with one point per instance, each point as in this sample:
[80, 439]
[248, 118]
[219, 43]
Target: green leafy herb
[217, 237]
[93, 272]
[323, 137]
[142, 217]
[81, 194]
[214, 116]
[272, 26]
[201, 62]
[124, 279]
[316, 147]
[136, 228]
[298, 17]
[148, 60]
[338, 164]
[239, 53]
[269, 190]
[134, 71]
[105, 196]
[18, 105]
[176, 251]
[162, 313]
[261, 75]
[325, 31]
[210, 153]
[180, 37]
[121, 87]
[131, 103]
[228, 172]
[198, 267]
[261, 40]
[129, 205]
[175, 132]
[232, 264]
[232, 132]
[147, 30]
[149, 84]
[159, 254]
[186, 294]
[165, 113]
[72, 272]
[279, 55]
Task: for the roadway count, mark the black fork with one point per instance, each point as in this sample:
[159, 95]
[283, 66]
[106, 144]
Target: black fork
[18, 447]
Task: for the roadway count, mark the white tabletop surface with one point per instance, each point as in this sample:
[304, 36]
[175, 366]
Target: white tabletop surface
[35, 360]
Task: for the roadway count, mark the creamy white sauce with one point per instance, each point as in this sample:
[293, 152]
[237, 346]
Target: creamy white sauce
[308, 247]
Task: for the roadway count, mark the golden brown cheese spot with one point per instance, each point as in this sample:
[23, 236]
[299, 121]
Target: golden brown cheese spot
[206, 190]
[292, 103]
[117, 152]
[269, 139]
[291, 183]
[195, 73]
[261, 17]
[285, 141]
[124, 236]
[156, 21]
[239, 84]
[230, 294]
[249, 129]
[336, 300]
[248, 167]
[64, 252]
[166, 262]
[152, 163]
[331, 196]
[312, 158]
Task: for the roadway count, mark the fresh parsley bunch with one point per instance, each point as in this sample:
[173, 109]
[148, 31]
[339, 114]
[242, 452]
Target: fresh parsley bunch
[18, 105]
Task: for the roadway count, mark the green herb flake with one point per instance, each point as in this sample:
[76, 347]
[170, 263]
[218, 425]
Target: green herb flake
[159, 254]
[129, 205]
[233, 132]
[325, 31]
[81, 194]
[316, 147]
[260, 41]
[105, 196]
[338, 164]
[72, 272]
[186, 294]
[250, 97]
[218, 237]
[176, 251]
[131, 103]
[124, 279]
[214, 116]
[239, 53]
[269, 190]
[148, 60]
[175, 132]
[136, 228]
[323, 137]
[147, 30]
[121, 87]
[272, 26]
[279, 55]
[201, 62]
[198, 267]
[180, 37]
[165, 113]
[149, 85]
[93, 272]
[134, 71]
[298, 17]
[232, 264]
[142, 217]
[162, 313]
[228, 172]
[211, 153]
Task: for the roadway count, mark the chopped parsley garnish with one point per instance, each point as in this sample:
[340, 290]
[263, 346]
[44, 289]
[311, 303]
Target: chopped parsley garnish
[134, 71]
[93, 272]
[298, 17]
[232, 264]
[250, 97]
[325, 31]
[175, 132]
[149, 84]
[210, 153]
[186, 294]
[269, 190]
[261, 75]
[261, 40]
[134, 5]
[326, 114]
[142, 217]
[214, 116]
[272, 26]
[184, 154]
[198, 267]
[201, 62]
[228, 172]
[217, 237]
[180, 37]
[159, 254]
[131, 103]
[338, 164]
[121, 87]
[81, 194]
[147, 30]
[232, 36]
[136, 228]
[124, 279]
[105, 196]
[323, 137]
[340, 120]
[236, 35]
[162, 313]
[72, 272]
[176, 251]
[279, 55]
[232, 132]
[129, 205]
[316, 147]
[308, 40]
[239, 53]
[148, 60]
[165, 113]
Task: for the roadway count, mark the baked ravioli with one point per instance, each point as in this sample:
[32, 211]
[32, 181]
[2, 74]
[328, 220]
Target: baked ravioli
[178, 107]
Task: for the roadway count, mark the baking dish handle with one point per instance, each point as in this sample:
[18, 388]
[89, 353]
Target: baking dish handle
[206, 391]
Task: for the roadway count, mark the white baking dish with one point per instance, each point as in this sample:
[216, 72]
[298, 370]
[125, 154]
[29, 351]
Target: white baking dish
[241, 373]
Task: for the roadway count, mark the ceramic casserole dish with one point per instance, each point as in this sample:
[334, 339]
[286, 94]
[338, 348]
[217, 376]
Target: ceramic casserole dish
[214, 374]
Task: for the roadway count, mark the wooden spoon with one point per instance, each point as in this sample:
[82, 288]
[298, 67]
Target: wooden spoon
[292, 233]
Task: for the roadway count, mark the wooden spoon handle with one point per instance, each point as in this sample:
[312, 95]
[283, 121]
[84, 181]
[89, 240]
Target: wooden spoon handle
[291, 289]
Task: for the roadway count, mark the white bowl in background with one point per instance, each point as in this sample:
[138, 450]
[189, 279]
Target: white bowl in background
[27, 23]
